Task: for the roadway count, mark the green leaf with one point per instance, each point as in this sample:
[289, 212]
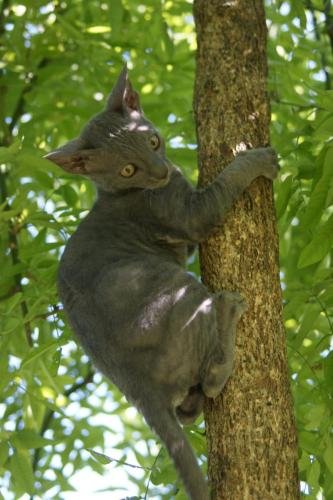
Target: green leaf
[285, 190]
[100, 457]
[44, 179]
[116, 17]
[28, 438]
[37, 352]
[297, 8]
[4, 452]
[319, 246]
[12, 302]
[313, 475]
[22, 473]
[314, 416]
[328, 454]
[311, 314]
[69, 194]
[163, 474]
[55, 363]
[328, 371]
[5, 155]
[197, 441]
[9, 154]
[6, 215]
[10, 325]
[325, 99]
[70, 29]
[29, 162]
[167, 43]
[318, 197]
[324, 129]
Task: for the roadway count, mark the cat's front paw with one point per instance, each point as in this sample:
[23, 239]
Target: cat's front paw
[265, 160]
[268, 160]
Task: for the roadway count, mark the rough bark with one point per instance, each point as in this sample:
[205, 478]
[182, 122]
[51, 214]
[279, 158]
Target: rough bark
[250, 429]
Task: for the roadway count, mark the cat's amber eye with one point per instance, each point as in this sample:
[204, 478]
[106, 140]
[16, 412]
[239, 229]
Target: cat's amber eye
[128, 170]
[155, 141]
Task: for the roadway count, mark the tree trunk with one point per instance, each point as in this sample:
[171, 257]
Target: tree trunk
[252, 446]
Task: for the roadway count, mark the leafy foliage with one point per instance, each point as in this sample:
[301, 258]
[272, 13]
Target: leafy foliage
[58, 62]
[300, 55]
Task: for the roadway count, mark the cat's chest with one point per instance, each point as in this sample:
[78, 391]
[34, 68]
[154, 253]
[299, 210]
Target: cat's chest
[97, 244]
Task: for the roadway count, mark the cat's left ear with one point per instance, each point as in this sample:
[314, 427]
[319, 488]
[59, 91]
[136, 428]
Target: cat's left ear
[123, 97]
[74, 157]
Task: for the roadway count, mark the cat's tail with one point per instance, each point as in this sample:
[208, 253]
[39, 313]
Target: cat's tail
[163, 421]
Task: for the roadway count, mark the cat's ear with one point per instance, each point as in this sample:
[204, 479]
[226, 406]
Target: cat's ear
[123, 96]
[73, 157]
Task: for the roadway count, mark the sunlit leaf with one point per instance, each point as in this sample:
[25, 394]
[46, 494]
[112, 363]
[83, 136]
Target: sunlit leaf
[37, 352]
[328, 454]
[100, 457]
[4, 452]
[28, 438]
[319, 194]
[21, 469]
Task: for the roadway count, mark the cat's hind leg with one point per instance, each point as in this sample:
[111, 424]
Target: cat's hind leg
[229, 307]
[188, 411]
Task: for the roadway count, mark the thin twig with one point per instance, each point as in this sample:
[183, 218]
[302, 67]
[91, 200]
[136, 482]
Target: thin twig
[295, 105]
[121, 462]
[150, 473]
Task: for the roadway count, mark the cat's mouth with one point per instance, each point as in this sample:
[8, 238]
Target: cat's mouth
[159, 183]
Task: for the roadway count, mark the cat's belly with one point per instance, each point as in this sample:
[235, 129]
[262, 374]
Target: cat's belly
[137, 304]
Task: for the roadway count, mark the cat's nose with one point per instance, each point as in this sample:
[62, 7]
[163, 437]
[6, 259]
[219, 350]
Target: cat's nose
[160, 169]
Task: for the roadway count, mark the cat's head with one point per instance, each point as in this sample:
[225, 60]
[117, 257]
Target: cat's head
[119, 148]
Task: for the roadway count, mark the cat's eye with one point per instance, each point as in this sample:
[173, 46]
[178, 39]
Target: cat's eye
[128, 170]
[155, 141]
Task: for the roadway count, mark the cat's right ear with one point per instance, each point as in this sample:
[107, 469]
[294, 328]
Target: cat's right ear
[123, 97]
[72, 157]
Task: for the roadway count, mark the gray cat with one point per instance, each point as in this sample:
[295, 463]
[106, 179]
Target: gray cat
[148, 325]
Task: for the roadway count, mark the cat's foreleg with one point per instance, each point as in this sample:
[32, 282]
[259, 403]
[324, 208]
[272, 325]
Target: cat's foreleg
[229, 308]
